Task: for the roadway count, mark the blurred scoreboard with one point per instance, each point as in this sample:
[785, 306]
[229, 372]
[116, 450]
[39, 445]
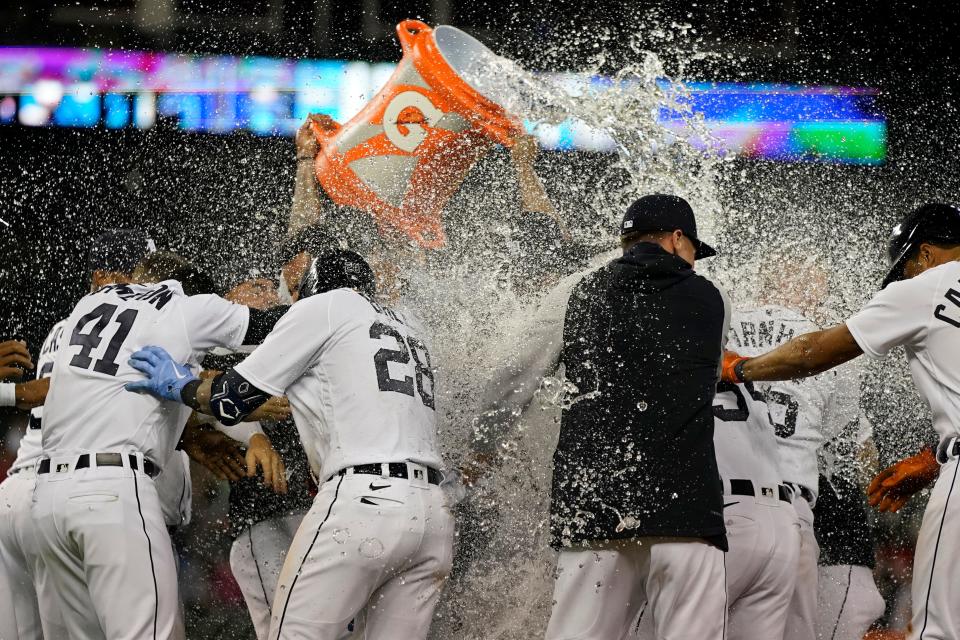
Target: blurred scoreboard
[271, 96]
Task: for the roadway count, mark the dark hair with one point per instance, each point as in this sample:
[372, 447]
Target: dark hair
[634, 237]
[165, 265]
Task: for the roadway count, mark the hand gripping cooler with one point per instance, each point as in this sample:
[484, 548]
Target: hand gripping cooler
[409, 149]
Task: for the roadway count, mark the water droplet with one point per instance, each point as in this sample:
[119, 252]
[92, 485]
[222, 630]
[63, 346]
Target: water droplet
[371, 548]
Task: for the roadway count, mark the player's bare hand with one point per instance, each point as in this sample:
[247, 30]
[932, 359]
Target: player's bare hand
[307, 144]
[208, 374]
[32, 394]
[14, 358]
[221, 455]
[894, 486]
[260, 453]
[275, 409]
[524, 150]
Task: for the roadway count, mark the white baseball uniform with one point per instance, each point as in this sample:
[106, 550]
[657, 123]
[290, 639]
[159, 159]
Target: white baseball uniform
[21, 615]
[361, 388]
[805, 413]
[922, 315]
[103, 536]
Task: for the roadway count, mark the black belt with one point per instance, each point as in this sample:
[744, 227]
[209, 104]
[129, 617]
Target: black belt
[800, 490]
[746, 488]
[106, 460]
[396, 470]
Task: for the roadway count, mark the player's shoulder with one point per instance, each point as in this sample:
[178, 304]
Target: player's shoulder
[929, 280]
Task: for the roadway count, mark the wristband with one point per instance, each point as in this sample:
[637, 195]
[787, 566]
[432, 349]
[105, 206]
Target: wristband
[188, 394]
[8, 394]
[306, 158]
[738, 369]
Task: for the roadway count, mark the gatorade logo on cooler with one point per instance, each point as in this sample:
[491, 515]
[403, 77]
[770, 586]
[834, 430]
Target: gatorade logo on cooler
[408, 150]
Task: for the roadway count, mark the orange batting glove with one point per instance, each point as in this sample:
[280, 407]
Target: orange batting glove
[896, 484]
[732, 371]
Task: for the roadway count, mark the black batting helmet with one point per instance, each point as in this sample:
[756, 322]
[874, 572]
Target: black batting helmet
[935, 222]
[336, 269]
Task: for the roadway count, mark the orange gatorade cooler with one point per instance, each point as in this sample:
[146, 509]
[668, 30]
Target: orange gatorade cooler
[409, 149]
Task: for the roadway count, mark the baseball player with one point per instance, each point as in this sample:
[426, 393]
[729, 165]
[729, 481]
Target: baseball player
[96, 507]
[110, 260]
[379, 535]
[21, 614]
[918, 308]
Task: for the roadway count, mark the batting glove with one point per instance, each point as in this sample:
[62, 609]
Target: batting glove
[894, 486]
[166, 378]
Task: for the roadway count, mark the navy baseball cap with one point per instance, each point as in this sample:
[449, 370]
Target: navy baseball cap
[662, 212]
[119, 250]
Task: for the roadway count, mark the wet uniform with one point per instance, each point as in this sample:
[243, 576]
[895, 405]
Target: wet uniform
[806, 414]
[21, 616]
[102, 447]
[378, 538]
[922, 315]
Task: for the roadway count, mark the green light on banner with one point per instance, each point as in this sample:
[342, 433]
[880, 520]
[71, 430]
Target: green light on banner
[856, 142]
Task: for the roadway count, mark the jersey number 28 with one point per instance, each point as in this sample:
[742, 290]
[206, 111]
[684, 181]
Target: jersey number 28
[92, 339]
[401, 355]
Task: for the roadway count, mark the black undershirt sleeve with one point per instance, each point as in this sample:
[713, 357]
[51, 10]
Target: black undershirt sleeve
[262, 323]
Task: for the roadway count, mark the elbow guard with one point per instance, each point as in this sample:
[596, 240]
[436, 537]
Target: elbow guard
[232, 398]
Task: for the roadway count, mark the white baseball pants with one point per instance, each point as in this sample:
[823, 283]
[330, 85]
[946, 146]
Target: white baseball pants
[256, 559]
[384, 553]
[802, 612]
[849, 602]
[107, 552]
[764, 538]
[935, 591]
[21, 615]
[678, 583]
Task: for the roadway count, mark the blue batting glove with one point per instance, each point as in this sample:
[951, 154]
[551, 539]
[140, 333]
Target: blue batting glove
[166, 378]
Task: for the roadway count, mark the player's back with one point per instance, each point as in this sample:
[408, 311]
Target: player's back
[88, 409]
[359, 379]
[743, 435]
[798, 408]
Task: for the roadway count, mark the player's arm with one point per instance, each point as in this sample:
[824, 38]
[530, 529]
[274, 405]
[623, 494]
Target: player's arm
[227, 396]
[24, 395]
[802, 357]
[305, 208]
[533, 195]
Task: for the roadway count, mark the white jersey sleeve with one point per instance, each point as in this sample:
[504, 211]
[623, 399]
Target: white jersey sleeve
[212, 322]
[292, 347]
[898, 315]
[922, 315]
[30, 444]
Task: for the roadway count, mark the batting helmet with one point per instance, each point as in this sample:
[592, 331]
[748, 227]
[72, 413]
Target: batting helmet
[934, 223]
[336, 269]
